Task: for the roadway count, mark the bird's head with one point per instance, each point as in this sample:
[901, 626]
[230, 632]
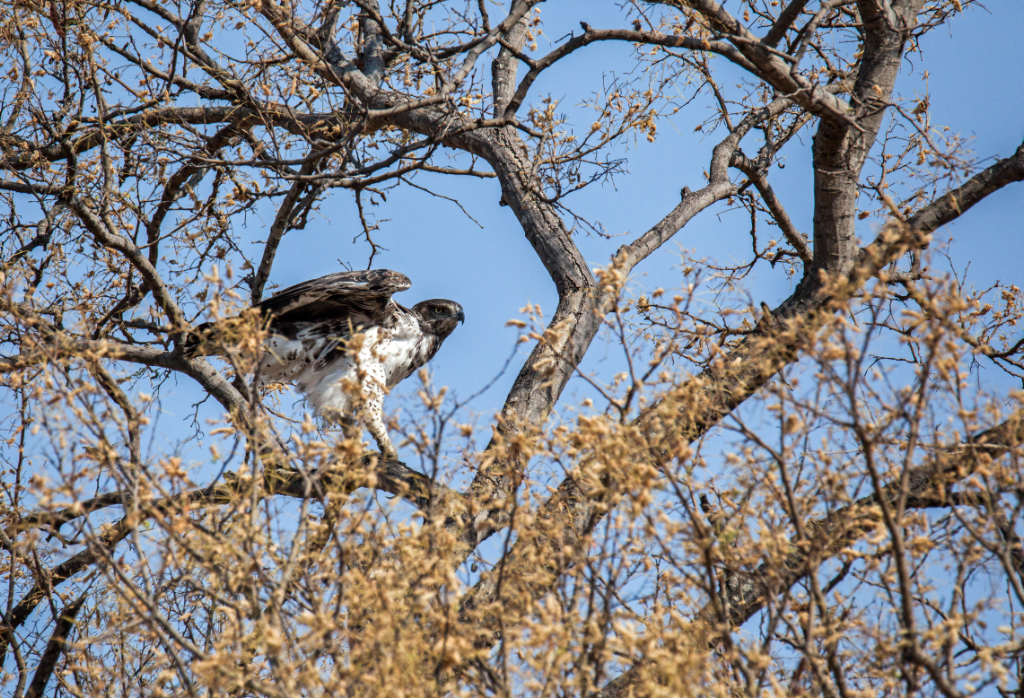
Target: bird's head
[440, 315]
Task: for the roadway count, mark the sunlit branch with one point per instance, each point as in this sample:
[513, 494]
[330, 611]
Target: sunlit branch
[745, 595]
[794, 237]
[392, 477]
[786, 19]
[591, 35]
[572, 513]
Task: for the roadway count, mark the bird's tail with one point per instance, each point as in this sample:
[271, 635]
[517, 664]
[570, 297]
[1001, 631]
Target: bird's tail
[199, 341]
[215, 338]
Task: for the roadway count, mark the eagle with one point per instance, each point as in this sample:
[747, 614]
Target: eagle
[342, 335]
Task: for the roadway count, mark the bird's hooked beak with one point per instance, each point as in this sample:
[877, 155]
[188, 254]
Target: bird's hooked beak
[461, 317]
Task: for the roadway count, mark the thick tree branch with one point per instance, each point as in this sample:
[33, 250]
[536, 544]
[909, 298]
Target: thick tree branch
[576, 322]
[55, 648]
[392, 477]
[505, 67]
[373, 45]
[840, 150]
[566, 520]
[783, 23]
[960, 200]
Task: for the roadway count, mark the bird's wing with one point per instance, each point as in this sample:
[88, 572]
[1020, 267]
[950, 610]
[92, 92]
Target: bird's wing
[355, 298]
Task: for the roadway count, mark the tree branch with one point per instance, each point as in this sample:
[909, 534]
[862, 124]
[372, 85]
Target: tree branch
[591, 35]
[98, 548]
[840, 150]
[392, 477]
[505, 66]
[73, 143]
[575, 324]
[281, 225]
[745, 595]
[794, 237]
[783, 23]
[54, 648]
[563, 526]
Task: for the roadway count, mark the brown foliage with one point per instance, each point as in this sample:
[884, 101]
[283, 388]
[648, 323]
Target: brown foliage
[853, 530]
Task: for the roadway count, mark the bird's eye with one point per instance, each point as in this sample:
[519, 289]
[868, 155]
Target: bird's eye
[438, 310]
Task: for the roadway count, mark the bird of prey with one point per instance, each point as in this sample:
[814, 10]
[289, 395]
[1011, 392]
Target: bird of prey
[342, 334]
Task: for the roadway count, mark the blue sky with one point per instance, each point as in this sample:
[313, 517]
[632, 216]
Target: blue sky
[974, 80]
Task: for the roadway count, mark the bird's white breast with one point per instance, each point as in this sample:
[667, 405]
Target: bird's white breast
[384, 358]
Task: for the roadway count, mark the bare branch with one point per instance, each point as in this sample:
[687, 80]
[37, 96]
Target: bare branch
[795, 238]
[786, 19]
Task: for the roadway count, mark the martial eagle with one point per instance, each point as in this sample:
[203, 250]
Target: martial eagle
[343, 330]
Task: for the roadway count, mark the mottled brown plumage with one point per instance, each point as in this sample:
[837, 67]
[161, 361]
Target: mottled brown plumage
[312, 326]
